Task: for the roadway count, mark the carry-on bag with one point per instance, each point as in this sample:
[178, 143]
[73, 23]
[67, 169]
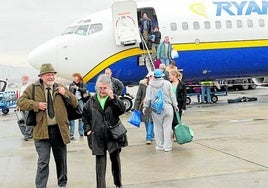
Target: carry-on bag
[21, 123]
[183, 132]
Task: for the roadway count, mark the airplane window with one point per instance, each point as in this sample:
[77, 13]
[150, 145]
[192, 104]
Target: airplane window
[95, 28]
[86, 21]
[196, 25]
[207, 25]
[82, 30]
[261, 22]
[250, 23]
[239, 23]
[69, 30]
[173, 26]
[218, 24]
[184, 26]
[228, 24]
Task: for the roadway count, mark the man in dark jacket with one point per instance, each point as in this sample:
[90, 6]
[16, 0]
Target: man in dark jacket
[52, 129]
[118, 86]
[100, 112]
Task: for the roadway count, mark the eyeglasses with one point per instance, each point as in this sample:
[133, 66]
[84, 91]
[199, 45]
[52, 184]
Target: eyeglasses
[102, 88]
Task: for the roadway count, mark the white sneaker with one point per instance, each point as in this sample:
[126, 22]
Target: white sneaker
[167, 150]
[159, 148]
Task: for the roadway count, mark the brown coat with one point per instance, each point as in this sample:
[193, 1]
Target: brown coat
[26, 103]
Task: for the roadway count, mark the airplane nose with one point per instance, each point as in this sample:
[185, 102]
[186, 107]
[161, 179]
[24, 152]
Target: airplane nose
[45, 53]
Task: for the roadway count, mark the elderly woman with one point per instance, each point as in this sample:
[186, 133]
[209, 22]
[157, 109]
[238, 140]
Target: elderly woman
[100, 112]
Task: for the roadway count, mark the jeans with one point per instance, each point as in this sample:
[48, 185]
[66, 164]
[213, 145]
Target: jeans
[205, 91]
[166, 61]
[80, 123]
[149, 131]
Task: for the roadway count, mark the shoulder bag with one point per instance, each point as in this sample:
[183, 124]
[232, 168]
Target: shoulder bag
[117, 130]
[30, 116]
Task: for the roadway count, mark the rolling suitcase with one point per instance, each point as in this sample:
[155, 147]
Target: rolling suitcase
[21, 123]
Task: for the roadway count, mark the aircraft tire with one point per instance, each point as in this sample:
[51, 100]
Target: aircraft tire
[214, 98]
[128, 103]
[188, 100]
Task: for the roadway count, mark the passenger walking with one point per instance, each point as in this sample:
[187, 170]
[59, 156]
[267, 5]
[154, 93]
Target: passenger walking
[101, 111]
[28, 134]
[78, 88]
[145, 25]
[162, 66]
[162, 121]
[52, 128]
[155, 39]
[179, 90]
[164, 51]
[138, 105]
[118, 86]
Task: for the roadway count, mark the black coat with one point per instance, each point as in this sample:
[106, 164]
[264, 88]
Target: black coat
[97, 120]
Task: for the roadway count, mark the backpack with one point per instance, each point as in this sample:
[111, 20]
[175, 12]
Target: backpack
[157, 102]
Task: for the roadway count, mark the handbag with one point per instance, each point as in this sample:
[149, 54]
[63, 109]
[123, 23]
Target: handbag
[135, 118]
[117, 130]
[73, 113]
[183, 132]
[30, 116]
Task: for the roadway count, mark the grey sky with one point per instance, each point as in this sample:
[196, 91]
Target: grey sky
[27, 23]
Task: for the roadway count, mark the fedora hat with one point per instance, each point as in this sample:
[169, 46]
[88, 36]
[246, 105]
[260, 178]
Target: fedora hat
[47, 68]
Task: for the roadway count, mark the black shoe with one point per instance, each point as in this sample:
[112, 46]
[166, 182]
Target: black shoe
[26, 138]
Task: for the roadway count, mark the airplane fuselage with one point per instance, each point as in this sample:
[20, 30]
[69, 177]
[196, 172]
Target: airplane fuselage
[215, 40]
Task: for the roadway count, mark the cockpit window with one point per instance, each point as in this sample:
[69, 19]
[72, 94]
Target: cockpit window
[69, 30]
[82, 30]
[95, 28]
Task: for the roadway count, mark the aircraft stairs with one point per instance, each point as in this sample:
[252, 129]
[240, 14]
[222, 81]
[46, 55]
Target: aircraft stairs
[146, 55]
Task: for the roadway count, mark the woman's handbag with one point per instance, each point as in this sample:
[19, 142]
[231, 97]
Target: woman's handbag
[118, 130]
[183, 132]
[135, 118]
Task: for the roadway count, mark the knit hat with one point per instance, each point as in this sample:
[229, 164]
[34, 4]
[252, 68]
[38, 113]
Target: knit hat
[47, 68]
[158, 73]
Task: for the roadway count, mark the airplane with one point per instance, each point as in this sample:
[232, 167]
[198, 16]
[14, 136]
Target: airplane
[215, 39]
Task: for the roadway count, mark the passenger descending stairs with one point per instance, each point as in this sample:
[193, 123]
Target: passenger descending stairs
[146, 56]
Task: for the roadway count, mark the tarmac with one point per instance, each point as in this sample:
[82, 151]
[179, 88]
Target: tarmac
[229, 150]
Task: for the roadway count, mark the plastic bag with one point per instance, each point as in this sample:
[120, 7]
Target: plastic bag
[135, 118]
[174, 54]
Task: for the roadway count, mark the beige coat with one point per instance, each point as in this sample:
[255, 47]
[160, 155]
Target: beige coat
[26, 103]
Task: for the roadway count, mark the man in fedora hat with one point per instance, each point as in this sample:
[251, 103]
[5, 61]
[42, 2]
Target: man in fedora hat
[52, 129]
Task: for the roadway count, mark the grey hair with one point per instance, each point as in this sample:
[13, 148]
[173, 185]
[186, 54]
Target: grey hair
[103, 78]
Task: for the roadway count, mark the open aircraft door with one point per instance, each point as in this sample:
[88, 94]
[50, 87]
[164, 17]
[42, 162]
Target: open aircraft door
[125, 23]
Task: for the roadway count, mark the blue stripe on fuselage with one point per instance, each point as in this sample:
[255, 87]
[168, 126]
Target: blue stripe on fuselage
[200, 65]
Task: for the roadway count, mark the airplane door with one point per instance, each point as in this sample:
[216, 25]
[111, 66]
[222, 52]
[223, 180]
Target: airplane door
[125, 23]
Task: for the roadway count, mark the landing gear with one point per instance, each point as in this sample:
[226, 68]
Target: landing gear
[127, 99]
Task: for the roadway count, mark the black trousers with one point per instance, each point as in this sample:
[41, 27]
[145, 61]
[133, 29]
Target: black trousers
[59, 149]
[101, 161]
